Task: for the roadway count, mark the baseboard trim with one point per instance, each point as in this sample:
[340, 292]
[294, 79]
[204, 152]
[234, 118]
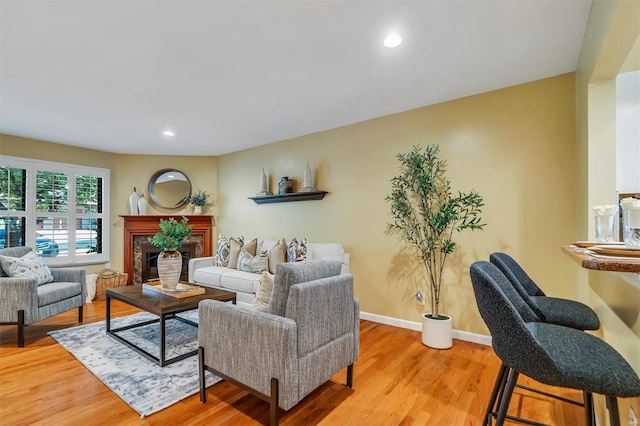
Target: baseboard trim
[413, 325]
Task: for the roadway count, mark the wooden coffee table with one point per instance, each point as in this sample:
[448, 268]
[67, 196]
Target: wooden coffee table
[165, 307]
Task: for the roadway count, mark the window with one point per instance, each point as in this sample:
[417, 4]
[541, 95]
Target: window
[58, 208]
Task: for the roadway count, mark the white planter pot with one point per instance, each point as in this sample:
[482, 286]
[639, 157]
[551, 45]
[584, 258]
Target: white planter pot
[436, 333]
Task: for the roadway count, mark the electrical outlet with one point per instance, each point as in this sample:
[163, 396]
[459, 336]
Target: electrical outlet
[107, 265]
[633, 417]
[420, 298]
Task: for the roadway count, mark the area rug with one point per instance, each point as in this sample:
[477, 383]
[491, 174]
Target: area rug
[139, 382]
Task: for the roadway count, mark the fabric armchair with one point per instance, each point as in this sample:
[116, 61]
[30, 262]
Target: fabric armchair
[310, 333]
[24, 302]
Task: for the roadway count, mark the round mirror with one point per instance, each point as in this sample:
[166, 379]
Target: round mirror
[169, 188]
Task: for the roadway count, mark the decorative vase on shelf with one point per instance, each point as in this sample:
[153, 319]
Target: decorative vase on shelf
[169, 268]
[264, 185]
[285, 186]
[142, 205]
[133, 202]
[307, 181]
[197, 209]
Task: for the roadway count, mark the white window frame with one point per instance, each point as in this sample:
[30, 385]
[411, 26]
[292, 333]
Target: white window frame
[32, 166]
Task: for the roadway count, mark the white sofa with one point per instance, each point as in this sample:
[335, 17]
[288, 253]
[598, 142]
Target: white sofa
[203, 270]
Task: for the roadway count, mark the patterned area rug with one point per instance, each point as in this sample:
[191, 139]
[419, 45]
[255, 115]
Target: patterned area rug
[145, 386]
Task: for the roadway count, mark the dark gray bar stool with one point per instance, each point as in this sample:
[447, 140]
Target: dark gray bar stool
[553, 310]
[549, 353]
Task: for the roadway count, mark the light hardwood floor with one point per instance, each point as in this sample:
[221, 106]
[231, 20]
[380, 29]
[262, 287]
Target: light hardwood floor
[397, 381]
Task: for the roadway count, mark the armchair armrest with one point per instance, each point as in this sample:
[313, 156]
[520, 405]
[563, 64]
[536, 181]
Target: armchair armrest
[18, 294]
[73, 275]
[250, 347]
[200, 262]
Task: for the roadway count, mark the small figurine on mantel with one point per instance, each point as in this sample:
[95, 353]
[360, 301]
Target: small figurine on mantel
[307, 181]
[264, 185]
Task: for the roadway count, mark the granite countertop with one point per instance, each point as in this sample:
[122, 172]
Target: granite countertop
[602, 263]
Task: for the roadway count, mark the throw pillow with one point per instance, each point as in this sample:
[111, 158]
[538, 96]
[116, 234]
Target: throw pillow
[251, 247]
[297, 251]
[222, 251]
[27, 266]
[249, 263]
[277, 254]
[235, 244]
[261, 301]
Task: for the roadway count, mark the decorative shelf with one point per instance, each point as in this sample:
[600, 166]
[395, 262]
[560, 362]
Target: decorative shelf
[295, 196]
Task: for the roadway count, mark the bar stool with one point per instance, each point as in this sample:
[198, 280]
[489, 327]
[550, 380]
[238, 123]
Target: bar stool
[553, 310]
[566, 312]
[549, 353]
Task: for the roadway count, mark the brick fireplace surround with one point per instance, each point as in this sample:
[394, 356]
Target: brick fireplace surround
[138, 228]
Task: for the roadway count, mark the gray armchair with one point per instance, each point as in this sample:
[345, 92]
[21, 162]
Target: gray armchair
[310, 332]
[23, 302]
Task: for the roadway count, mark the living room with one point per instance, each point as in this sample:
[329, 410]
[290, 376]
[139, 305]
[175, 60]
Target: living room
[528, 149]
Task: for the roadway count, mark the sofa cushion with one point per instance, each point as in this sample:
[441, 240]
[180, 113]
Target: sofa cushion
[249, 263]
[277, 254]
[261, 301]
[55, 292]
[299, 272]
[247, 282]
[210, 275]
[27, 266]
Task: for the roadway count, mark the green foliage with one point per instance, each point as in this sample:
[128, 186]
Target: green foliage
[199, 198]
[172, 233]
[425, 212]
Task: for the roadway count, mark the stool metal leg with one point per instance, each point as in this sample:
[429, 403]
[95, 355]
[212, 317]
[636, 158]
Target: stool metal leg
[506, 397]
[614, 414]
[588, 409]
[498, 388]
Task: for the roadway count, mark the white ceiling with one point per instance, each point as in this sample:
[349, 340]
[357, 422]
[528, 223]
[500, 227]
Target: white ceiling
[228, 75]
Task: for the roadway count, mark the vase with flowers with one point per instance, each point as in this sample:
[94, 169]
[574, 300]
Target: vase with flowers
[198, 200]
[169, 239]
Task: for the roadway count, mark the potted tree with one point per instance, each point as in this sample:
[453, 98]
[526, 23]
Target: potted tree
[169, 239]
[198, 200]
[425, 215]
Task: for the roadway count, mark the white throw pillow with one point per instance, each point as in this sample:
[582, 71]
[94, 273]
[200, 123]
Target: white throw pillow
[91, 287]
[249, 263]
[27, 266]
[263, 296]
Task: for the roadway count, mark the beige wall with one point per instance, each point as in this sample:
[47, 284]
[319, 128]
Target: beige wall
[514, 146]
[612, 32]
[127, 172]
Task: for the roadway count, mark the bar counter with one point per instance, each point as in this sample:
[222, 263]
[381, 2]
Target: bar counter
[611, 264]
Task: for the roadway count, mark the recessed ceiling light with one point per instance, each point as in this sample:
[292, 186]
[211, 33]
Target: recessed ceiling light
[168, 133]
[392, 40]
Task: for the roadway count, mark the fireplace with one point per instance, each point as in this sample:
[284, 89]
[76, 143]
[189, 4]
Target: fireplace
[145, 258]
[140, 256]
